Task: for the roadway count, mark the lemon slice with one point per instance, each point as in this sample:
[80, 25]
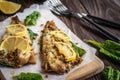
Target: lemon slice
[66, 50]
[8, 7]
[17, 29]
[15, 42]
[2, 0]
[60, 35]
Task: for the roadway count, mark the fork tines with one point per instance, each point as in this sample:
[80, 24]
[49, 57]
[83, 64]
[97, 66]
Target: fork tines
[56, 6]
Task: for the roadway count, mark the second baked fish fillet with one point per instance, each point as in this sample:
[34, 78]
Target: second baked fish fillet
[57, 52]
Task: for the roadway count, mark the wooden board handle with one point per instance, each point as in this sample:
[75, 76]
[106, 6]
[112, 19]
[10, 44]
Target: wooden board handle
[90, 69]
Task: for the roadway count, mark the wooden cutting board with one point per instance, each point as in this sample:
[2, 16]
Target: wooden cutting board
[90, 69]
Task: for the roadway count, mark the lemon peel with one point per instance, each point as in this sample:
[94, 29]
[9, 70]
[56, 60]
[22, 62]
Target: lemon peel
[8, 7]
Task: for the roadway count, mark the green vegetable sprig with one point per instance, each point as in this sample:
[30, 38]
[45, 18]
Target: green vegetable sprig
[40, 43]
[32, 34]
[109, 48]
[79, 50]
[4, 64]
[28, 76]
[32, 18]
[111, 74]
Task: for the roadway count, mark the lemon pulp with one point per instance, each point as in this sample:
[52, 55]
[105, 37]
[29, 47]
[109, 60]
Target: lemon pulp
[8, 7]
[17, 29]
[66, 50]
[15, 42]
[60, 35]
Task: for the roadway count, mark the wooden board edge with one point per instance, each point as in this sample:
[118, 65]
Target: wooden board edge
[90, 69]
[82, 73]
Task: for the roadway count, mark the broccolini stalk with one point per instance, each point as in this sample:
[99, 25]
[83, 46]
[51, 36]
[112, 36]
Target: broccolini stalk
[111, 74]
[32, 34]
[32, 18]
[28, 76]
[79, 50]
[109, 48]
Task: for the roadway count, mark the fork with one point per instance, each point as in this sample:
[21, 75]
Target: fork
[58, 8]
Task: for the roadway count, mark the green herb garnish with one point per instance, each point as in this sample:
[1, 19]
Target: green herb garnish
[4, 64]
[40, 43]
[32, 18]
[111, 74]
[79, 50]
[28, 76]
[109, 48]
[32, 35]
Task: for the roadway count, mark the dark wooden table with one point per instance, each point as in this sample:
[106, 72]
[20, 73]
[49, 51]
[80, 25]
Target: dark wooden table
[107, 9]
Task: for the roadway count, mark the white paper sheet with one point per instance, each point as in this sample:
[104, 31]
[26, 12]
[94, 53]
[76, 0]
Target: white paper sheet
[46, 15]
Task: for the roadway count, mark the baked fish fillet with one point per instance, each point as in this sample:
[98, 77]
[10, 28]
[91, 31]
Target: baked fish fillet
[57, 53]
[16, 58]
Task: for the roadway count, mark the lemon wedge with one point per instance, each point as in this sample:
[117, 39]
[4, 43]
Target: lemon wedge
[15, 42]
[66, 50]
[8, 7]
[17, 29]
[2, 0]
[60, 35]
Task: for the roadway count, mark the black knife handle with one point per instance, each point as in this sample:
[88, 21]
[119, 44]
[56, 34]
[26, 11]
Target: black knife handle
[105, 21]
[101, 29]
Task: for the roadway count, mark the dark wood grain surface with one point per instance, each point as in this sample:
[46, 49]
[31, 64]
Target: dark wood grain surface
[107, 9]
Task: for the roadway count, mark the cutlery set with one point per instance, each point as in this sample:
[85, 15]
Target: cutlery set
[57, 7]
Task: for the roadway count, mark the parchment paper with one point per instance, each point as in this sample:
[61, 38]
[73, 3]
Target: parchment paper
[46, 15]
